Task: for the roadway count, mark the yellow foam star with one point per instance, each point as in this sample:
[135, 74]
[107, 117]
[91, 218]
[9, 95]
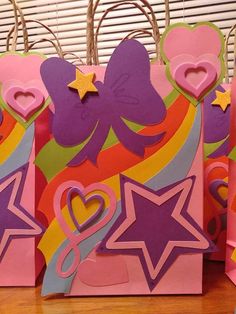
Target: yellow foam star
[222, 99]
[83, 83]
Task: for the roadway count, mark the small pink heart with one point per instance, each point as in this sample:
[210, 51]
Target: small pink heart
[24, 101]
[103, 271]
[202, 74]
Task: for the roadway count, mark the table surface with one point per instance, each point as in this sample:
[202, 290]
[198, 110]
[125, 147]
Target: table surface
[219, 298]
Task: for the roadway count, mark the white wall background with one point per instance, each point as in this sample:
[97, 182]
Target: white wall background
[67, 18]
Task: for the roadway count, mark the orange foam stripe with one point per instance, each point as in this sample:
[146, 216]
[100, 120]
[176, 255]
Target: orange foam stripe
[7, 125]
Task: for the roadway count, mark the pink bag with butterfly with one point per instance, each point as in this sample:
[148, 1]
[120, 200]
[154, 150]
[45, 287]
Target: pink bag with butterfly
[124, 193]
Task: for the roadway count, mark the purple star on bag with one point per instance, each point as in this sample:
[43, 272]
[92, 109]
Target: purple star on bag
[126, 93]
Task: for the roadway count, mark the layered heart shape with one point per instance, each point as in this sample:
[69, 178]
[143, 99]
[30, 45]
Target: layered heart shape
[195, 78]
[214, 187]
[98, 199]
[194, 58]
[24, 101]
[22, 71]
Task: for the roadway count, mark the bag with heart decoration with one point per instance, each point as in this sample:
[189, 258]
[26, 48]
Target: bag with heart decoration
[230, 262]
[24, 125]
[124, 196]
[216, 149]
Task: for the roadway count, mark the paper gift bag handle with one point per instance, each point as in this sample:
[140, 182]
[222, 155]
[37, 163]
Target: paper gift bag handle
[76, 57]
[152, 20]
[233, 29]
[14, 30]
[92, 39]
[137, 32]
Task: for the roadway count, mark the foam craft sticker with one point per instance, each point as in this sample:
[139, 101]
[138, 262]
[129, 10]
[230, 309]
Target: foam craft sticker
[76, 239]
[91, 270]
[216, 148]
[15, 221]
[126, 93]
[181, 77]
[16, 98]
[194, 58]
[144, 212]
[22, 92]
[83, 83]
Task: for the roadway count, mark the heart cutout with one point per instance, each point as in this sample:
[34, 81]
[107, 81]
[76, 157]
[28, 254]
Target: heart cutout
[94, 198]
[24, 101]
[101, 271]
[195, 78]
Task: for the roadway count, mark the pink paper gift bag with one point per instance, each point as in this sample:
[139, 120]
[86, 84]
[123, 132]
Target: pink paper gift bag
[23, 130]
[124, 167]
[231, 235]
[216, 162]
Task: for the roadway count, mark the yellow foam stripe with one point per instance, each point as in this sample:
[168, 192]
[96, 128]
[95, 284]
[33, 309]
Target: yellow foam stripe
[141, 172]
[11, 142]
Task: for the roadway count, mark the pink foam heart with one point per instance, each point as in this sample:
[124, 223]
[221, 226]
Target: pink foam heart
[24, 101]
[103, 271]
[195, 78]
[195, 41]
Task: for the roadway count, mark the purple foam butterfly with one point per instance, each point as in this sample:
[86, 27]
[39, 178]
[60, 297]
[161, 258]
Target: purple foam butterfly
[127, 93]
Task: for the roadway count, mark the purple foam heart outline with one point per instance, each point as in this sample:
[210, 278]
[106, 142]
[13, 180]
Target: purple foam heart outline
[213, 188]
[90, 220]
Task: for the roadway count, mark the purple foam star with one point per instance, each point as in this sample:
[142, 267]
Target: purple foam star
[15, 221]
[155, 226]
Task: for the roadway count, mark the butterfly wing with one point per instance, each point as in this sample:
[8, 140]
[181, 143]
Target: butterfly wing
[128, 76]
[216, 121]
[73, 120]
